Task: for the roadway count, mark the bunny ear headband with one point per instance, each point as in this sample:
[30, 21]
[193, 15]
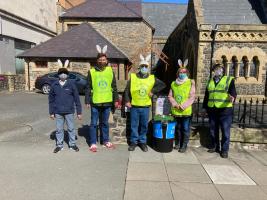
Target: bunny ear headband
[100, 50]
[144, 61]
[182, 65]
[61, 64]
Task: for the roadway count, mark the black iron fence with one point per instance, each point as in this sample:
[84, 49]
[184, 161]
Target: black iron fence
[247, 113]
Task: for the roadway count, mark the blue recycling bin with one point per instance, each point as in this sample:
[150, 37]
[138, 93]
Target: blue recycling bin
[163, 135]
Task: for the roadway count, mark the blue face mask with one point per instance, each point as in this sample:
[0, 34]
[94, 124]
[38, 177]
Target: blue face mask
[144, 70]
[182, 76]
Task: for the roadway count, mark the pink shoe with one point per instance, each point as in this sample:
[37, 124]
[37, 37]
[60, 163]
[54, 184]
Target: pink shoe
[109, 145]
[93, 148]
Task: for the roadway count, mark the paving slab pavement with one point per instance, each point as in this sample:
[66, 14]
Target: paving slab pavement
[33, 172]
[244, 192]
[195, 175]
[227, 174]
[257, 173]
[29, 170]
[194, 191]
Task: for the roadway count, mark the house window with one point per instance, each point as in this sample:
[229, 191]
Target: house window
[233, 71]
[243, 69]
[225, 65]
[254, 67]
[41, 64]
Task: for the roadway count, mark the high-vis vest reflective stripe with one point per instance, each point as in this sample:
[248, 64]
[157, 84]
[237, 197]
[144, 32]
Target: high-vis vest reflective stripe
[140, 89]
[101, 85]
[181, 94]
[218, 95]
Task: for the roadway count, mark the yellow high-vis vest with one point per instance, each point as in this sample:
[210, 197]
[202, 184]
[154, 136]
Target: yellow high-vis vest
[101, 85]
[218, 95]
[140, 89]
[181, 94]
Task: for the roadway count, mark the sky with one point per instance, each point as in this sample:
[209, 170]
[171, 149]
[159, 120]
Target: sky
[167, 1]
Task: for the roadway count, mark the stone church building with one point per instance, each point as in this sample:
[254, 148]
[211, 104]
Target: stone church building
[231, 32]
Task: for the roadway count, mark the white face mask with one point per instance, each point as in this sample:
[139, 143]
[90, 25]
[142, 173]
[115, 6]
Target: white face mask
[144, 70]
[63, 76]
[218, 72]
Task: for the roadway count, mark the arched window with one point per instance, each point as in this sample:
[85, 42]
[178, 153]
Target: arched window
[233, 71]
[254, 67]
[225, 65]
[243, 69]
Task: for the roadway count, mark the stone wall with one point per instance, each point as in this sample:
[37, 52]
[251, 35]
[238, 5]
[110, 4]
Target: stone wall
[248, 87]
[12, 83]
[130, 37]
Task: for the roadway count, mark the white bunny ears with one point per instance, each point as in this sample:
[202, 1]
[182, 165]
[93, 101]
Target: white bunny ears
[100, 50]
[61, 64]
[181, 64]
[144, 61]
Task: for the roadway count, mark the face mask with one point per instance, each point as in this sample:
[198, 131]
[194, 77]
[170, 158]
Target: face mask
[218, 72]
[144, 70]
[63, 76]
[182, 76]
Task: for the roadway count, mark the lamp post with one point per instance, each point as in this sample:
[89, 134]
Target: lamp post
[213, 36]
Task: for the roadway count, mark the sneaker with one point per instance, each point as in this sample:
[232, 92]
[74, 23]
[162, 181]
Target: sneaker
[58, 149]
[224, 154]
[182, 150]
[176, 147]
[143, 147]
[109, 145]
[74, 148]
[93, 148]
[213, 150]
[132, 147]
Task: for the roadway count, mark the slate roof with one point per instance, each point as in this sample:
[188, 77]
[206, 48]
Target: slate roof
[134, 5]
[231, 11]
[95, 9]
[77, 43]
[164, 17]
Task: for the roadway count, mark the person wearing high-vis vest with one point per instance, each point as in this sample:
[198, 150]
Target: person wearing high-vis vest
[101, 95]
[181, 97]
[218, 101]
[138, 92]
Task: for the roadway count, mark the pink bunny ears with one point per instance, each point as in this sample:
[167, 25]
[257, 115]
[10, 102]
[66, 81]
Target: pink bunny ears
[144, 61]
[66, 64]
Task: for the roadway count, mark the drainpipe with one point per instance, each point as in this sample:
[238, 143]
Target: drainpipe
[213, 36]
[28, 75]
[1, 28]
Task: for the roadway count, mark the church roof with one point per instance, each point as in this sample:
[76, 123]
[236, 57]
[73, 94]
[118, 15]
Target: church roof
[232, 12]
[96, 9]
[164, 17]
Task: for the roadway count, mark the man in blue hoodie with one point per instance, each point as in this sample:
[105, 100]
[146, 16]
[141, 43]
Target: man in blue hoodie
[62, 98]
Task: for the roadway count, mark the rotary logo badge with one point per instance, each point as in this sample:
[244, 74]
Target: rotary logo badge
[179, 98]
[142, 92]
[102, 84]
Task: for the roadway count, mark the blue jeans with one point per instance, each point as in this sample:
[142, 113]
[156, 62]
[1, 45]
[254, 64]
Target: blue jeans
[60, 119]
[182, 132]
[100, 113]
[224, 122]
[139, 124]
